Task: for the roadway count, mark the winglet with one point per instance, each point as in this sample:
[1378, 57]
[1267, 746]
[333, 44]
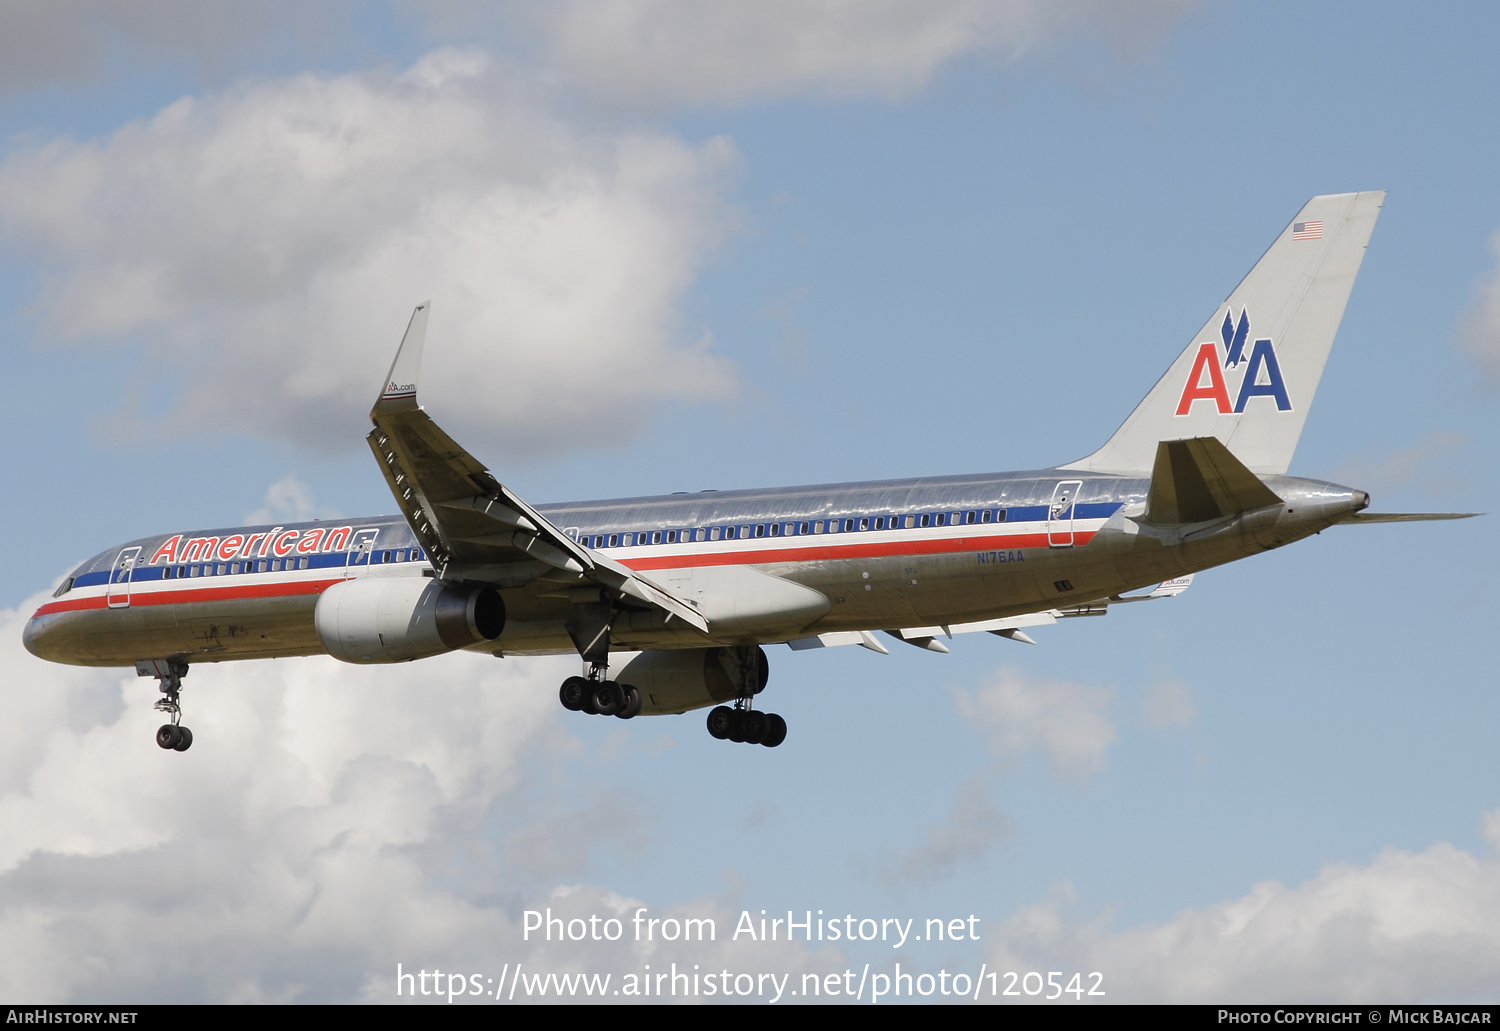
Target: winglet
[1172, 588]
[400, 391]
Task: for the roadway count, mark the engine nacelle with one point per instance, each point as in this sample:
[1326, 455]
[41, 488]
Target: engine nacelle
[393, 619]
[676, 681]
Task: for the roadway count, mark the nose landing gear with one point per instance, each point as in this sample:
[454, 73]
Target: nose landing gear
[169, 674]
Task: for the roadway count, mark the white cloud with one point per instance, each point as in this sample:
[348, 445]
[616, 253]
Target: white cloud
[1479, 333]
[972, 826]
[675, 52]
[269, 243]
[1066, 721]
[1405, 928]
[1168, 702]
[691, 53]
[48, 42]
[287, 500]
[329, 822]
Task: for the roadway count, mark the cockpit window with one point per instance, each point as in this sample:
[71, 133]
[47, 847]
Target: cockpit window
[63, 588]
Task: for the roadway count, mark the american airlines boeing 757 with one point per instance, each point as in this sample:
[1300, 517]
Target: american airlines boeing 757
[696, 584]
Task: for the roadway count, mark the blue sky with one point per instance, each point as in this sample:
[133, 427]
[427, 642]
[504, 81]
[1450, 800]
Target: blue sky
[671, 251]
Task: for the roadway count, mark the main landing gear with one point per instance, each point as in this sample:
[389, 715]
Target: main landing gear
[589, 626]
[169, 674]
[751, 726]
[599, 697]
[742, 722]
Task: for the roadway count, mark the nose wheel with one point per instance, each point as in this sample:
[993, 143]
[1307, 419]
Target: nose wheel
[170, 736]
[175, 737]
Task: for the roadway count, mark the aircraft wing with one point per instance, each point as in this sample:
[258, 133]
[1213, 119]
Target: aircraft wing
[470, 524]
[1009, 627]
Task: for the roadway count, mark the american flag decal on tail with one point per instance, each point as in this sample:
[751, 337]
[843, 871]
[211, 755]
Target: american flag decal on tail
[1307, 230]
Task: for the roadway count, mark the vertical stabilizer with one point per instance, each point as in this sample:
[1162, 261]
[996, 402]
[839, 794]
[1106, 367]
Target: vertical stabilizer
[1249, 375]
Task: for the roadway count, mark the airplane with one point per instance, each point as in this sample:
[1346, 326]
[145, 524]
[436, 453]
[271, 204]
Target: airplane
[696, 585]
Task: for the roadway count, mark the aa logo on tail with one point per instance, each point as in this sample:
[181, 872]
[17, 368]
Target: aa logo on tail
[1261, 376]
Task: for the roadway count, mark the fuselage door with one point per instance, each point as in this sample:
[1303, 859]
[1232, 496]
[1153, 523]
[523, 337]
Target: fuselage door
[118, 594]
[1060, 514]
[359, 550]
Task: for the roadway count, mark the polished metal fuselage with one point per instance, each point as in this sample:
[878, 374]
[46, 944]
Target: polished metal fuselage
[885, 555]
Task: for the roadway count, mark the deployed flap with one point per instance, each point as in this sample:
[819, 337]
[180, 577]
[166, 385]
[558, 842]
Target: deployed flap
[1009, 627]
[460, 513]
[1248, 376]
[990, 625]
[1196, 480]
[838, 639]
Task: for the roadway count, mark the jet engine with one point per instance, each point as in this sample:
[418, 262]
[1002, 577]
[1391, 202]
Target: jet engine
[393, 619]
[676, 681]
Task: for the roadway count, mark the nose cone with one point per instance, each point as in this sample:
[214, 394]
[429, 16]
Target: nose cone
[31, 637]
[38, 639]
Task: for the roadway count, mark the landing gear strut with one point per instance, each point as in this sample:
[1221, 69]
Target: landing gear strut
[742, 722]
[597, 696]
[589, 626]
[169, 676]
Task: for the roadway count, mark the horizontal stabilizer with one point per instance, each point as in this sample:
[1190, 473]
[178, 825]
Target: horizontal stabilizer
[1405, 517]
[1197, 480]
